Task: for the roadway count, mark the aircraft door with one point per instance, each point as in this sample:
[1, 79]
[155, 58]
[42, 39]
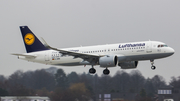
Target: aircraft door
[149, 47]
[108, 51]
[46, 56]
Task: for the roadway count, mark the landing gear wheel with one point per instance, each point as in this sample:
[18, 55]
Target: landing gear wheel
[92, 70]
[153, 67]
[152, 63]
[106, 71]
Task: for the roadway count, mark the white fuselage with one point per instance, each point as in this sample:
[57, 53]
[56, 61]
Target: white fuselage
[133, 51]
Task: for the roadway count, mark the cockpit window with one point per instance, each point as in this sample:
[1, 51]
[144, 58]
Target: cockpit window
[162, 46]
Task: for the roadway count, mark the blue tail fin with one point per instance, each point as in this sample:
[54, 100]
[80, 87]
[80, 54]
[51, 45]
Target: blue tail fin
[31, 42]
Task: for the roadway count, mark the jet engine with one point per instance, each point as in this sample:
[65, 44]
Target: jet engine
[108, 61]
[128, 64]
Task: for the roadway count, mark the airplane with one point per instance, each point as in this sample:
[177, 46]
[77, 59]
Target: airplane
[125, 55]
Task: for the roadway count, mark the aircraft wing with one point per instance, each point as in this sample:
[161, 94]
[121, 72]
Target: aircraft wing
[87, 57]
[25, 55]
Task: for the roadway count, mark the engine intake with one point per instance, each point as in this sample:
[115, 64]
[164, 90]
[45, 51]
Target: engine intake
[108, 61]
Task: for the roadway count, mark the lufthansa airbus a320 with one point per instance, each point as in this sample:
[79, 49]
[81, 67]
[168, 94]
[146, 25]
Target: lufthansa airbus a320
[125, 55]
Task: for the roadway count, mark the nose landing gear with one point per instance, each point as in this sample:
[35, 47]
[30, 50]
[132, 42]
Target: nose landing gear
[152, 65]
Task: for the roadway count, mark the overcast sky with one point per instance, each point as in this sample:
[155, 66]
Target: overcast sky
[71, 23]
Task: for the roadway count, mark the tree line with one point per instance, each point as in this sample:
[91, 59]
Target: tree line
[65, 87]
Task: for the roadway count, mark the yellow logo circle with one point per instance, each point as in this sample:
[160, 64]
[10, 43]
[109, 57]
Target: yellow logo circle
[29, 39]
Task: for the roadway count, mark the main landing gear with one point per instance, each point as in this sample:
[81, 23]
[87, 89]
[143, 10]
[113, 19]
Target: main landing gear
[152, 65]
[92, 71]
[106, 71]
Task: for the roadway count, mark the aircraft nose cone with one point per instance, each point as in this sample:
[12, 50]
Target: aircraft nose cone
[172, 51]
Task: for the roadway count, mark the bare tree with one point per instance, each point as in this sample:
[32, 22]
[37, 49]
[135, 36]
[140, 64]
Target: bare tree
[137, 81]
[73, 77]
[61, 79]
[158, 82]
[121, 81]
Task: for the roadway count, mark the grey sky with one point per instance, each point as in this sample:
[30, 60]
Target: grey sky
[71, 23]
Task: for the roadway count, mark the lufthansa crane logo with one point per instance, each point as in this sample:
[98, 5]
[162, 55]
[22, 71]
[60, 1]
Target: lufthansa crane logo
[29, 39]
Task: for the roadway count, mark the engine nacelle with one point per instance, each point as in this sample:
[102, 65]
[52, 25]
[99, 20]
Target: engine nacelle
[128, 65]
[108, 61]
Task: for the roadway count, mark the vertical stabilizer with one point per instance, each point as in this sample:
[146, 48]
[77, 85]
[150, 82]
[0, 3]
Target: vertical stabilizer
[31, 42]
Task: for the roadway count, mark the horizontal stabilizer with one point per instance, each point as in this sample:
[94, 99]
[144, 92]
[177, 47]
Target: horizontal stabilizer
[25, 55]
